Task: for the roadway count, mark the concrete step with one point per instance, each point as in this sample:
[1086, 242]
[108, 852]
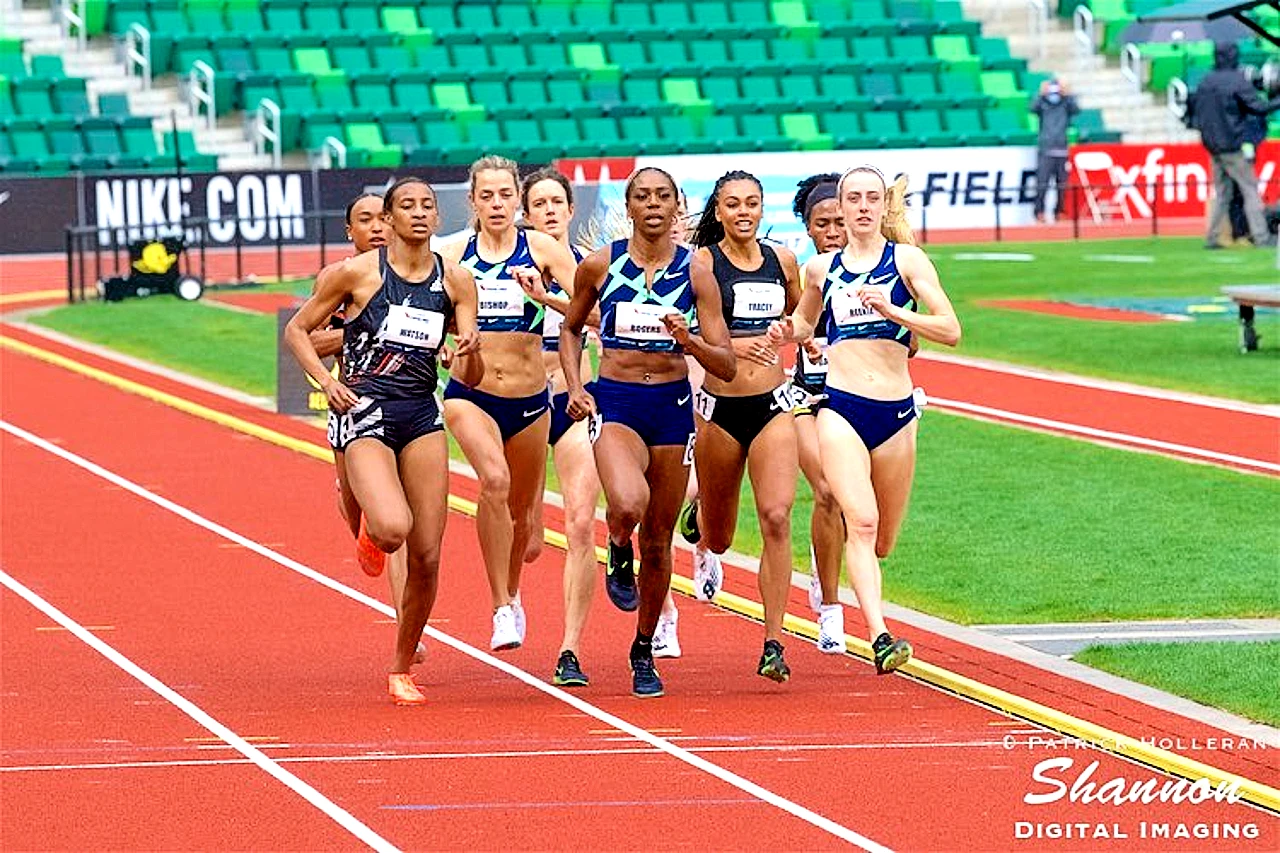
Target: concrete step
[222, 136]
[244, 162]
[104, 85]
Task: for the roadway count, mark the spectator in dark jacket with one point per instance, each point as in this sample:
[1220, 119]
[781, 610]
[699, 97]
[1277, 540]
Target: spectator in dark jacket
[1055, 109]
[1220, 109]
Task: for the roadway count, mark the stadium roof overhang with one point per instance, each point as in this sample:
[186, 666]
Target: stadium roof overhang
[1194, 10]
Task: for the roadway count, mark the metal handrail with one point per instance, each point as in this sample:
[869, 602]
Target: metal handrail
[69, 21]
[1082, 27]
[1131, 65]
[1038, 23]
[137, 52]
[1176, 95]
[332, 148]
[266, 129]
[200, 92]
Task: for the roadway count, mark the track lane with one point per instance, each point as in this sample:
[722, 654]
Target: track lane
[724, 642]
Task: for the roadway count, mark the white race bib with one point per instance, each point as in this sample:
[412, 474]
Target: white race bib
[414, 327]
[758, 300]
[704, 405]
[848, 310]
[500, 297]
[640, 321]
[552, 320]
[810, 367]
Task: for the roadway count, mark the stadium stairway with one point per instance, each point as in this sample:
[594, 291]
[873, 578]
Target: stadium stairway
[1094, 78]
[105, 74]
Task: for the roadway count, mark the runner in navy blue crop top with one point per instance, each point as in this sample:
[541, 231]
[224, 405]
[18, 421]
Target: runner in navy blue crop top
[387, 422]
[650, 292]
[501, 422]
[867, 427]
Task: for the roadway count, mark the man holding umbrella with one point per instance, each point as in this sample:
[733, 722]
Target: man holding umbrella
[1219, 109]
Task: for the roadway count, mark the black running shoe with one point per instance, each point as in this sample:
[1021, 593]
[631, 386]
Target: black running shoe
[890, 653]
[688, 523]
[772, 665]
[645, 682]
[620, 577]
[568, 672]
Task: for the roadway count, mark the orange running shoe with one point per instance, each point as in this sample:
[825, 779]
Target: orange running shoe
[403, 691]
[371, 558]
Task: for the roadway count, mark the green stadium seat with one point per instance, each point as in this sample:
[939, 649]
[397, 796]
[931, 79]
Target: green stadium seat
[372, 91]
[402, 131]
[48, 67]
[31, 97]
[632, 14]
[393, 58]
[403, 20]
[475, 16]
[365, 138]
[70, 96]
[845, 129]
[138, 137]
[509, 57]
[113, 104]
[1010, 126]
[333, 93]
[361, 18]
[27, 139]
[884, 127]
[101, 137]
[762, 130]
[955, 52]
[803, 128]
[313, 61]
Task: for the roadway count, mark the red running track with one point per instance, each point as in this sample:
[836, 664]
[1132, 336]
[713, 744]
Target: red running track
[491, 762]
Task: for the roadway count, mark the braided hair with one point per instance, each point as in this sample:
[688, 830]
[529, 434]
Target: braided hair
[710, 230]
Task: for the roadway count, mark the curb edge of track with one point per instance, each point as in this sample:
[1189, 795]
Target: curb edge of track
[1099, 737]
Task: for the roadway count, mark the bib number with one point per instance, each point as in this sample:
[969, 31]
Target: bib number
[786, 398]
[848, 310]
[757, 300]
[500, 298]
[640, 321]
[414, 327]
[688, 450]
[811, 367]
[595, 424]
[704, 405]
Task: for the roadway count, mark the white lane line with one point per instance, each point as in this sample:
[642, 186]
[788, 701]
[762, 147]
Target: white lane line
[1016, 257]
[377, 757]
[1122, 259]
[1106, 435]
[255, 756]
[795, 809]
[1136, 635]
[1054, 376]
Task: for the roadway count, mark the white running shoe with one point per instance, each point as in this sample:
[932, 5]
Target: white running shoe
[518, 610]
[505, 635]
[708, 574]
[815, 585]
[831, 629]
[665, 642]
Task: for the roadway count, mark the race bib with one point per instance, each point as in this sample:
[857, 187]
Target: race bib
[814, 367]
[704, 405]
[552, 320]
[847, 309]
[414, 327]
[786, 398]
[640, 321]
[595, 424]
[758, 300]
[688, 449]
[499, 297]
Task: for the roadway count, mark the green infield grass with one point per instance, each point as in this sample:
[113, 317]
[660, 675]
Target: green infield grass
[1239, 677]
[1201, 355]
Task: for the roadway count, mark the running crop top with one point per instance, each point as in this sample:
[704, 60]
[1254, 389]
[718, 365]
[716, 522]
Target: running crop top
[389, 349]
[750, 300]
[553, 320]
[504, 306]
[631, 314]
[847, 317]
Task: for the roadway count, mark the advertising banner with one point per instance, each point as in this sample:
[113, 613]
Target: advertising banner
[296, 392]
[950, 187]
[34, 212]
[1141, 181]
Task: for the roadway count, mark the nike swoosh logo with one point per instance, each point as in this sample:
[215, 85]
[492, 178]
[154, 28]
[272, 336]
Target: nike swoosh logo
[902, 415]
[682, 400]
[883, 278]
[540, 411]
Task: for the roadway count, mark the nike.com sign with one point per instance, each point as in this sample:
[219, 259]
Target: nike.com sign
[248, 207]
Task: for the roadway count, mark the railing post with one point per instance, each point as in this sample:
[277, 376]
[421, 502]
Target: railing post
[201, 92]
[137, 52]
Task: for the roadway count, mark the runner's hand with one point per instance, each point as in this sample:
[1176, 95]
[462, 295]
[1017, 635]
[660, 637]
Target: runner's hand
[446, 356]
[581, 405]
[877, 300]
[466, 344]
[341, 398]
[757, 350]
[813, 350]
[530, 280]
[677, 327]
[780, 332]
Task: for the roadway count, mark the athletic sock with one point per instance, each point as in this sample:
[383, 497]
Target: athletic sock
[642, 646]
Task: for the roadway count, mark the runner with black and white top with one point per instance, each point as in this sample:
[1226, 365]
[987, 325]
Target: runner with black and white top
[399, 304]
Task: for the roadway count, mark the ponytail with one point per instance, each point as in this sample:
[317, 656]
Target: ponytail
[895, 226]
[710, 230]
